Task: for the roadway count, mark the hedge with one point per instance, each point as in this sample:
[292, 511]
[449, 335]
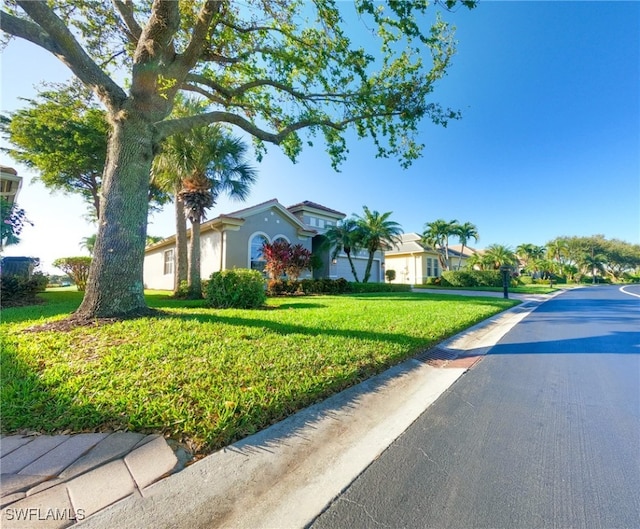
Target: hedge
[16, 290]
[472, 278]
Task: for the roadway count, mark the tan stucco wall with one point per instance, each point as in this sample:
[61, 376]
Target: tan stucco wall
[271, 223]
[154, 276]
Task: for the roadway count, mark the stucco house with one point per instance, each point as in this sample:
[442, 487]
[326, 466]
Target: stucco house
[234, 240]
[414, 262]
[10, 184]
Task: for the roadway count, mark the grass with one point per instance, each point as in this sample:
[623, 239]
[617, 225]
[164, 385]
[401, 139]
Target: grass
[522, 289]
[209, 377]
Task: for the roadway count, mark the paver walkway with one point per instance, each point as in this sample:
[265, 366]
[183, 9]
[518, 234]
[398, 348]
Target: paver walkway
[55, 481]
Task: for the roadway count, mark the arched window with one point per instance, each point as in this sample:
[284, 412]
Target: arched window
[255, 252]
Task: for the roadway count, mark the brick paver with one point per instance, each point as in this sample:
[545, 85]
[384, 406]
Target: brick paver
[9, 443]
[60, 457]
[101, 487]
[50, 509]
[26, 454]
[155, 450]
[113, 446]
[10, 483]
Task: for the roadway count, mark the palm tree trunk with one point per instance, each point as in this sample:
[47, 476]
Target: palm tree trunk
[446, 253]
[181, 262]
[195, 284]
[353, 268]
[367, 270]
[460, 257]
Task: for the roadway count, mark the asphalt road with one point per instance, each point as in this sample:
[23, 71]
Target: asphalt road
[544, 432]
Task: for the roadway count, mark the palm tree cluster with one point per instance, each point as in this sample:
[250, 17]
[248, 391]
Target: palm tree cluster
[198, 167]
[576, 257]
[372, 231]
[437, 233]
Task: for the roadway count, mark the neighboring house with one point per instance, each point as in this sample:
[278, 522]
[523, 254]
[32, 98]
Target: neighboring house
[466, 253]
[10, 184]
[234, 240]
[415, 262]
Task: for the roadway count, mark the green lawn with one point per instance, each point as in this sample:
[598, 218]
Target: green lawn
[522, 289]
[208, 377]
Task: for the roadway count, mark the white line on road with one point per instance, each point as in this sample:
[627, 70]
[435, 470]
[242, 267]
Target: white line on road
[622, 289]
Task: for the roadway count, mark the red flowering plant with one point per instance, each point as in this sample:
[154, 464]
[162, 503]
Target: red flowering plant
[299, 260]
[276, 254]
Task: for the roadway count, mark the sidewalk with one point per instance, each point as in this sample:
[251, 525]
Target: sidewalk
[53, 481]
[281, 477]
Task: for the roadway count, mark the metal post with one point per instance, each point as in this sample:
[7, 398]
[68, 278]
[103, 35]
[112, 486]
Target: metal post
[505, 271]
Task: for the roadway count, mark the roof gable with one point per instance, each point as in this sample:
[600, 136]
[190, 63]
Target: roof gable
[314, 207]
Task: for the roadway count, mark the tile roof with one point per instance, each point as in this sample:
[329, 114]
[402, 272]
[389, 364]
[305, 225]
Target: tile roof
[314, 205]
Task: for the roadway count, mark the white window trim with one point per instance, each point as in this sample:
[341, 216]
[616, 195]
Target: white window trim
[251, 237]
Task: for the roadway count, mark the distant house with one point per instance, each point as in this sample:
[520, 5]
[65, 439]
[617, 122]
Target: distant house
[415, 262]
[10, 184]
[234, 240]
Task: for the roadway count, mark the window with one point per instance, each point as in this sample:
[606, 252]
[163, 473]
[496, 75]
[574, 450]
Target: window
[436, 271]
[429, 266]
[257, 261]
[168, 262]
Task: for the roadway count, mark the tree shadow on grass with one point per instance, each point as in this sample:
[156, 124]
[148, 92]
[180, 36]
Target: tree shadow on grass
[30, 405]
[305, 330]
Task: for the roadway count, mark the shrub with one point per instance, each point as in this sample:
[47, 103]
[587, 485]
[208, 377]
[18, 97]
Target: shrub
[75, 267]
[16, 290]
[390, 275]
[240, 288]
[325, 286]
[281, 287]
[182, 291]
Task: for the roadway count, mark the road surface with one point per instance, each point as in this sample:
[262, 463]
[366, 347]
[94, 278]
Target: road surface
[544, 432]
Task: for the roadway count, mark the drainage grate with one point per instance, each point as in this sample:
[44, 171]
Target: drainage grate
[437, 353]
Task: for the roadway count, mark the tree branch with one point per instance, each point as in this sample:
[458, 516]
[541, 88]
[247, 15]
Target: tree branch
[175, 126]
[125, 8]
[23, 29]
[157, 35]
[55, 37]
[242, 89]
[196, 46]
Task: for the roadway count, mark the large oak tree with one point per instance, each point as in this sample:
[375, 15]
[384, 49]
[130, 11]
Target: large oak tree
[271, 68]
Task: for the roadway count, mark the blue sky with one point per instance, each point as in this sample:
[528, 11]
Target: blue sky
[549, 142]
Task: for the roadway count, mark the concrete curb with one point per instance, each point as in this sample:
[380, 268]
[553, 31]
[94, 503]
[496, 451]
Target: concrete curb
[287, 474]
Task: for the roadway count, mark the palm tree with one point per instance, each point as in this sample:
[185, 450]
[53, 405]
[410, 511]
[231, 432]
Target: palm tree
[165, 176]
[89, 243]
[436, 234]
[378, 233]
[557, 250]
[207, 162]
[592, 262]
[498, 255]
[531, 255]
[465, 232]
[344, 236]
[474, 260]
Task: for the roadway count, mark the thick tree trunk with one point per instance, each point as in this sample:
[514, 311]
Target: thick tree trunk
[181, 260]
[195, 284]
[115, 287]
